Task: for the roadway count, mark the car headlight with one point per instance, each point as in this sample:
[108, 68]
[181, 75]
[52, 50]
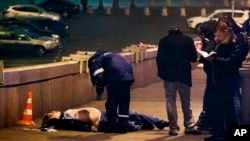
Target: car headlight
[55, 36]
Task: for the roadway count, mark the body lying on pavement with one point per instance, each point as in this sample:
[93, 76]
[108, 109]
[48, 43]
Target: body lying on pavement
[91, 119]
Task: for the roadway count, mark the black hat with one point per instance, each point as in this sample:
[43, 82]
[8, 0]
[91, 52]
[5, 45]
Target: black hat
[207, 27]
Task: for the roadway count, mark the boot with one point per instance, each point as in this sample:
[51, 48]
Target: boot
[122, 125]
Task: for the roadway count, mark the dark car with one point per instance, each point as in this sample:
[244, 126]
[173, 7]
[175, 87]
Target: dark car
[61, 27]
[64, 8]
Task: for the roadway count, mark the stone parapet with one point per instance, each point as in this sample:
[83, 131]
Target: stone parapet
[61, 85]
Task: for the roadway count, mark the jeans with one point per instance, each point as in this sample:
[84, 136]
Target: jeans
[171, 89]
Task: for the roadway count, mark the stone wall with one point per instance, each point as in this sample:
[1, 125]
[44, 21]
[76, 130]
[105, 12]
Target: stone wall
[66, 84]
[60, 86]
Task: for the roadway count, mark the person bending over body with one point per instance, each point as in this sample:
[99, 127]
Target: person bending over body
[92, 119]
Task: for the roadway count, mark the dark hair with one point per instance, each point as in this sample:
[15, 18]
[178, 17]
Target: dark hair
[48, 122]
[207, 28]
[65, 124]
[230, 23]
[45, 121]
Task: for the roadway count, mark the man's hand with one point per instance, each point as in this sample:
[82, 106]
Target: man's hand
[98, 97]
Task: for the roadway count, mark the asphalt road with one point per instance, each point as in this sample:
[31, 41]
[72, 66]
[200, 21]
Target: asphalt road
[111, 32]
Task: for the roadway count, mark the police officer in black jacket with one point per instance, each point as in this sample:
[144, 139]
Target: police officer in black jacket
[208, 44]
[114, 72]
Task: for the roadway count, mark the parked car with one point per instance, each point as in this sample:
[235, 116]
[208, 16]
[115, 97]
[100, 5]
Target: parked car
[27, 11]
[238, 15]
[26, 25]
[61, 27]
[63, 7]
[24, 40]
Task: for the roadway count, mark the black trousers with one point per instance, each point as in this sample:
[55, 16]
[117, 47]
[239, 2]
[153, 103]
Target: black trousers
[224, 109]
[117, 105]
[205, 116]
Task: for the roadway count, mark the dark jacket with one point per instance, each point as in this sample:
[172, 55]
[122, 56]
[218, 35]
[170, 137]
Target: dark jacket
[228, 59]
[208, 44]
[64, 124]
[246, 27]
[175, 52]
[109, 68]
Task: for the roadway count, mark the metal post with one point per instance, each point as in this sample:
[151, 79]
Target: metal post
[247, 3]
[206, 3]
[132, 5]
[232, 2]
[168, 2]
[187, 2]
[100, 5]
[1, 73]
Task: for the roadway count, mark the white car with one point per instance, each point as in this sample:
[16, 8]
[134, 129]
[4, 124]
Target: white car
[238, 15]
[26, 11]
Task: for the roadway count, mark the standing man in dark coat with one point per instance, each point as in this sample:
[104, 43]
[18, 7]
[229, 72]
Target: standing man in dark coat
[113, 71]
[175, 53]
[208, 44]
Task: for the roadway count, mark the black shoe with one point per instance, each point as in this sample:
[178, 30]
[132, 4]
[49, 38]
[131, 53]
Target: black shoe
[205, 129]
[147, 127]
[161, 125]
[201, 122]
[174, 132]
[192, 131]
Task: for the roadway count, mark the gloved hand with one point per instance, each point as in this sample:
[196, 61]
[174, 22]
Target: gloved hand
[98, 97]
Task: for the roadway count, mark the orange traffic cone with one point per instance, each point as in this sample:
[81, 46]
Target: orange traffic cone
[27, 118]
